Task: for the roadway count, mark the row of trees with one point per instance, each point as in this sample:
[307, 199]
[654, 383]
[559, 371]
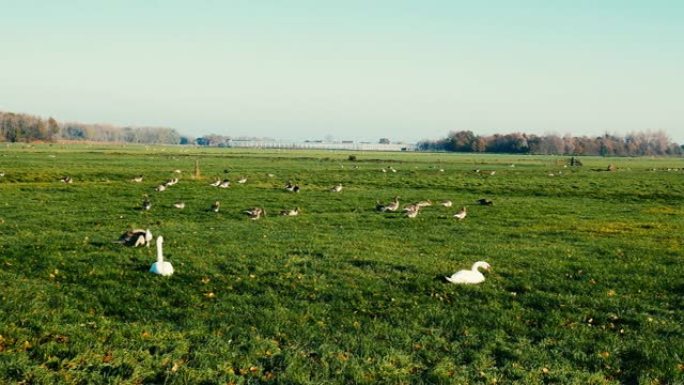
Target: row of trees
[633, 144]
[28, 128]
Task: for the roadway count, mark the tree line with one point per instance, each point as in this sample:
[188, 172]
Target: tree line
[633, 144]
[28, 128]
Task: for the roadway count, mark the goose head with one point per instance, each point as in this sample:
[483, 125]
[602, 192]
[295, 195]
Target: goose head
[481, 265]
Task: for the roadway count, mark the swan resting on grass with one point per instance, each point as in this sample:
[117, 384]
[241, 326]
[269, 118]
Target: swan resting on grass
[471, 276]
[161, 267]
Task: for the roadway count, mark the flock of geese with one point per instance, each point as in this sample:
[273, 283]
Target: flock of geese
[144, 237]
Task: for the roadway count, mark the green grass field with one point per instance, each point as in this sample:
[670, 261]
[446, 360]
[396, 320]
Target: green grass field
[587, 285]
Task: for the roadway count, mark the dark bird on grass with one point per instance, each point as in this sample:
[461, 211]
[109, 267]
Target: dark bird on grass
[215, 206]
[291, 187]
[290, 213]
[485, 202]
[461, 214]
[392, 206]
[255, 213]
[136, 237]
[146, 205]
[471, 276]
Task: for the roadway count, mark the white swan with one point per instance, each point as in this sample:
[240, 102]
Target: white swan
[471, 276]
[161, 267]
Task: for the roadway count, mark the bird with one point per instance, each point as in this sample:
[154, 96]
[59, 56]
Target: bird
[161, 187]
[217, 183]
[485, 202]
[392, 169]
[292, 187]
[179, 205]
[446, 203]
[215, 206]
[177, 171]
[412, 211]
[171, 182]
[424, 203]
[392, 206]
[337, 188]
[2, 173]
[136, 237]
[161, 267]
[137, 179]
[255, 213]
[383, 170]
[224, 184]
[461, 214]
[471, 276]
[242, 180]
[146, 205]
[290, 213]
[67, 180]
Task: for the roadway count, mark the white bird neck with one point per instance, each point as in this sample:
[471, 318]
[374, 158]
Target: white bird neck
[160, 256]
[478, 265]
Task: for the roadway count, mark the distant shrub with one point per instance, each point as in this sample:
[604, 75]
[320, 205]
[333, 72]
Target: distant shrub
[352, 158]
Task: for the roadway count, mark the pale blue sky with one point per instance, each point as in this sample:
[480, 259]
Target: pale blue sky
[349, 69]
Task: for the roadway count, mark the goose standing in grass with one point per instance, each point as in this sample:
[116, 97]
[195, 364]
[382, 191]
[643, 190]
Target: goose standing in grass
[290, 213]
[446, 203]
[242, 180]
[216, 184]
[215, 206]
[392, 206]
[392, 169]
[461, 214]
[471, 276]
[255, 213]
[161, 267]
[337, 188]
[161, 187]
[136, 237]
[138, 179]
[224, 184]
[424, 203]
[67, 180]
[179, 205]
[146, 205]
[171, 182]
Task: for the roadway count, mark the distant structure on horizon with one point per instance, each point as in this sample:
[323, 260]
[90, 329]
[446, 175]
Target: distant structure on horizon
[321, 145]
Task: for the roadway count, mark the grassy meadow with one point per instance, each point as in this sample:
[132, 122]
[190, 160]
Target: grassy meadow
[587, 285]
